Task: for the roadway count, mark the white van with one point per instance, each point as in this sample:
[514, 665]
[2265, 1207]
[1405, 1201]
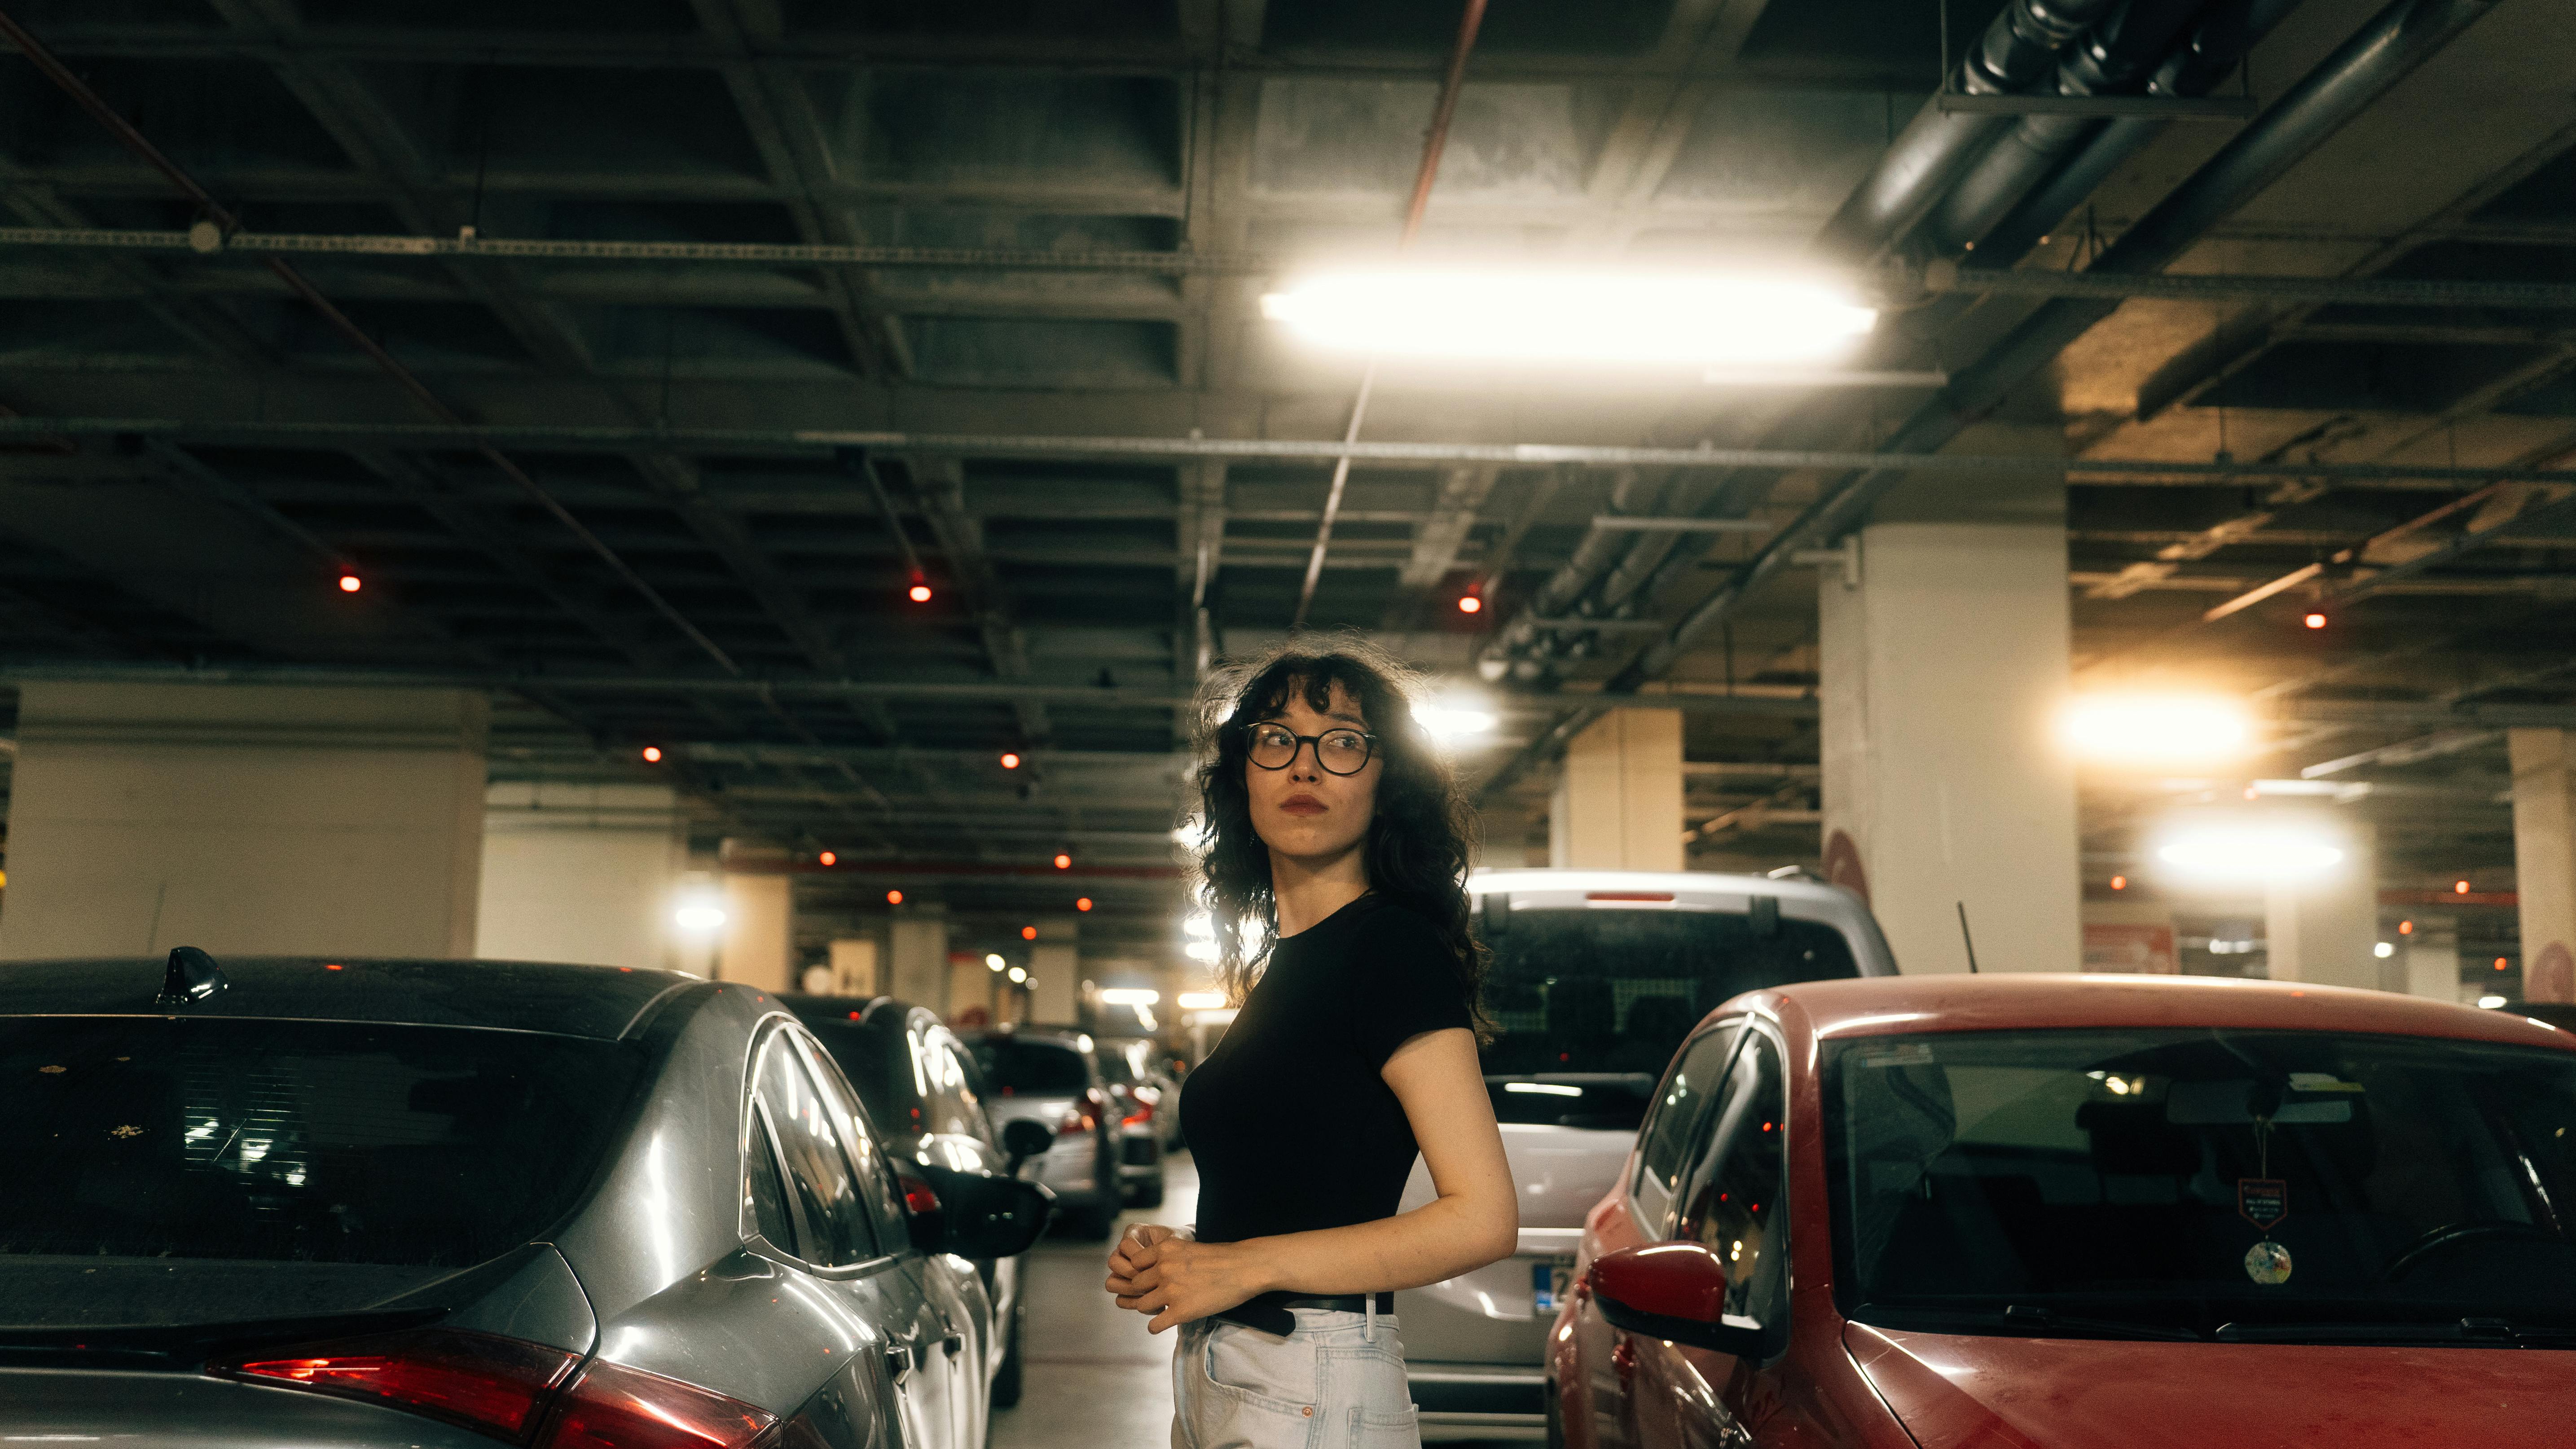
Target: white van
[1597, 976]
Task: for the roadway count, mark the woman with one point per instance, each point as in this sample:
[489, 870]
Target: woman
[1334, 867]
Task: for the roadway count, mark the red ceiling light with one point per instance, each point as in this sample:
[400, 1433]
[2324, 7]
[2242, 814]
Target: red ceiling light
[828, 858]
[652, 754]
[2119, 882]
[894, 898]
[1010, 760]
[919, 593]
[1469, 604]
[2406, 928]
[1063, 861]
[2315, 621]
[351, 583]
[1083, 904]
[1028, 933]
[2499, 963]
[2459, 887]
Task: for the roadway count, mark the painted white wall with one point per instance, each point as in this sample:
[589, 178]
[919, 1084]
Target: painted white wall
[1943, 671]
[2544, 859]
[246, 819]
[585, 873]
[759, 930]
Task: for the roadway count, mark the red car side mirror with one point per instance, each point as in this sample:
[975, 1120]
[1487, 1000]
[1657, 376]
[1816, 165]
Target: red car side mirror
[1675, 1291]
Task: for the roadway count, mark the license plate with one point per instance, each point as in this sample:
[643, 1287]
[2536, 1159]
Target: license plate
[1548, 1282]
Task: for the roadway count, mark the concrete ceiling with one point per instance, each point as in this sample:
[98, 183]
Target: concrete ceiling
[1678, 131]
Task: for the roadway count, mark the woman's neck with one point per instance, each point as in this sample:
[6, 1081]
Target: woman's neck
[1306, 891]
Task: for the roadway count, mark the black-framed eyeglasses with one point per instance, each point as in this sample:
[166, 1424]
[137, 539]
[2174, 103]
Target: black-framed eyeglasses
[1340, 752]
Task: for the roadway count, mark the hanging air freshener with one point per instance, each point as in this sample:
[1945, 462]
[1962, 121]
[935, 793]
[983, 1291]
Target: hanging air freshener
[2264, 1202]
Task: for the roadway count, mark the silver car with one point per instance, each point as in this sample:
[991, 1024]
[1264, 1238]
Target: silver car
[1049, 1075]
[438, 1203]
[926, 1099]
[1597, 977]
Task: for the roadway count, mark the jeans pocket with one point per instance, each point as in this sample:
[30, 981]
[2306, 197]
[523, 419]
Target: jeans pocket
[1376, 1429]
[1278, 1374]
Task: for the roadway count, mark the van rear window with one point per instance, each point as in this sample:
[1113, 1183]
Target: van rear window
[1615, 991]
[296, 1141]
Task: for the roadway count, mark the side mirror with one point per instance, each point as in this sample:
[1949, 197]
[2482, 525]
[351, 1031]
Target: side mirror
[1023, 1140]
[1676, 1291]
[972, 1214]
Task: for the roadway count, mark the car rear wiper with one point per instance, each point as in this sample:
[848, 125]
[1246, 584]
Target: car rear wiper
[2044, 1320]
[2499, 1331]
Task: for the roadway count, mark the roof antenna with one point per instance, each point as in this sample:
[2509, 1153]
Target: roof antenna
[192, 976]
[1969, 940]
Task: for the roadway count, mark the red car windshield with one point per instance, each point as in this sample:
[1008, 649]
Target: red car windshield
[2239, 1184]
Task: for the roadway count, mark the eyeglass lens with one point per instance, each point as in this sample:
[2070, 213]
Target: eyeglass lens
[1343, 752]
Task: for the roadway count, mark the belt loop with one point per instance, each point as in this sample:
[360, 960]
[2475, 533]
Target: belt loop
[1370, 1332]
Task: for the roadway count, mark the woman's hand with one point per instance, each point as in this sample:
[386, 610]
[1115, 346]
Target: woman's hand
[1122, 1259]
[1176, 1279]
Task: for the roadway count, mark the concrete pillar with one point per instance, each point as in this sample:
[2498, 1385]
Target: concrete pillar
[585, 873]
[2432, 969]
[1618, 802]
[2544, 859]
[917, 956]
[854, 968]
[1944, 659]
[1055, 968]
[2324, 931]
[759, 931]
[245, 819]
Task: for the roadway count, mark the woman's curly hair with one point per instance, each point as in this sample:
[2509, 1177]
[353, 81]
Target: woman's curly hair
[1421, 836]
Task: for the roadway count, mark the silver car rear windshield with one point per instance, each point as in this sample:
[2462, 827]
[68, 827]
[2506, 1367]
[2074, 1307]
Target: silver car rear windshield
[296, 1141]
[1608, 994]
[2192, 1179]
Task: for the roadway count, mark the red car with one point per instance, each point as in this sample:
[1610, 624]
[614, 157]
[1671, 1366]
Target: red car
[2036, 1212]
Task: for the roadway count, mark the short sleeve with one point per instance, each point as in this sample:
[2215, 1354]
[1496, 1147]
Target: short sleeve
[1405, 984]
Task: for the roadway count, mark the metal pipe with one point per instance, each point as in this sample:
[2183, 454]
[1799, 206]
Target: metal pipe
[225, 221]
[2384, 51]
[2114, 59]
[822, 442]
[2017, 50]
[1434, 141]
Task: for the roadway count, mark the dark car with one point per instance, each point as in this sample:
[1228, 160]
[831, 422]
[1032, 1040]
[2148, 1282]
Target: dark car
[2086, 1212]
[925, 1097]
[1138, 1102]
[438, 1203]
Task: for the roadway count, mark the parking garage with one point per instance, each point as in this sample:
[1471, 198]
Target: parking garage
[759, 493]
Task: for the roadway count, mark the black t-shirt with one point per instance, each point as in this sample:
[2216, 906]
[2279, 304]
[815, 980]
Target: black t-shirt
[1291, 1125]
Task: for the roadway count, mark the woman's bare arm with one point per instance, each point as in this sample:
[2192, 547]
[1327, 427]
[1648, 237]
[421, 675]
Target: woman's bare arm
[1475, 1220]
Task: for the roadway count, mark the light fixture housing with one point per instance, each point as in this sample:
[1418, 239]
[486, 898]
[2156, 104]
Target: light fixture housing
[1530, 316]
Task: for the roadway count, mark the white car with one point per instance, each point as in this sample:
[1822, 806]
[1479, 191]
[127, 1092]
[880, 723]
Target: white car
[1597, 977]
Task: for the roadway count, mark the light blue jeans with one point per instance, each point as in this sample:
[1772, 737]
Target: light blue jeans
[1336, 1383]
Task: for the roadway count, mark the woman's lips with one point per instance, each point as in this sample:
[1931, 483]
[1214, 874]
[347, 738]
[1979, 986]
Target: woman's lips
[1301, 805]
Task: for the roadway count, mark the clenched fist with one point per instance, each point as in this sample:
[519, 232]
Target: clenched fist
[1160, 1272]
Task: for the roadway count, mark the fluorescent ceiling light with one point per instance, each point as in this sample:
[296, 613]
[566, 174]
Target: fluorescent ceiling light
[1130, 996]
[1200, 950]
[1201, 925]
[698, 918]
[1531, 316]
[1448, 722]
[1199, 1000]
[2490, 1002]
[2157, 728]
[1544, 1089]
[2248, 852]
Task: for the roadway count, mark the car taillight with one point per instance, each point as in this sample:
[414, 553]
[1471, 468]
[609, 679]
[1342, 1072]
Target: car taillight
[612, 1406]
[918, 1195]
[1144, 1112]
[1076, 1122]
[506, 1388]
[494, 1385]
